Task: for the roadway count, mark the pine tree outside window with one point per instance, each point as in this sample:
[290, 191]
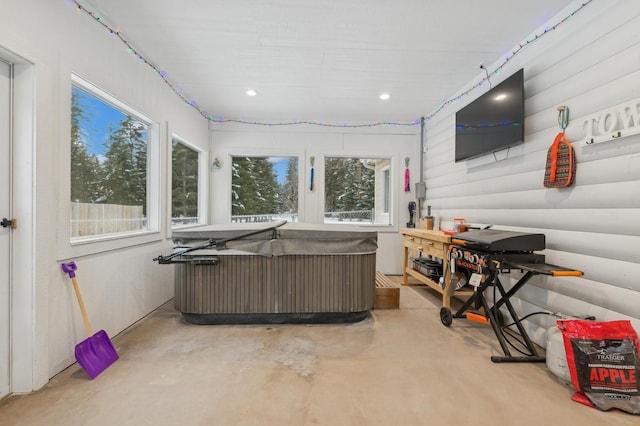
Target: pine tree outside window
[184, 184]
[110, 179]
[386, 190]
[357, 191]
[264, 189]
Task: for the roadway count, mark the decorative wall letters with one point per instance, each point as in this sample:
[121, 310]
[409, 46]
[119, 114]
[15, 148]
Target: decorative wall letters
[616, 122]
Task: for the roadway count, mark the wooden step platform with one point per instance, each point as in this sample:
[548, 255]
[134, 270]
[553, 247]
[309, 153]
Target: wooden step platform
[387, 292]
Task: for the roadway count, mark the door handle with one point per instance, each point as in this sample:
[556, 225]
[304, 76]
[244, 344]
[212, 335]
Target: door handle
[9, 223]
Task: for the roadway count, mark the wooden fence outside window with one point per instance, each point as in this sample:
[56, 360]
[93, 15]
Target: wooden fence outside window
[98, 219]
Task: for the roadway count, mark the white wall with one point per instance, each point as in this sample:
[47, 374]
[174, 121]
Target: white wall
[305, 142]
[590, 63]
[120, 284]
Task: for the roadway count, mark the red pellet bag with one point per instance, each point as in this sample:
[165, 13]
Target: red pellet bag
[603, 361]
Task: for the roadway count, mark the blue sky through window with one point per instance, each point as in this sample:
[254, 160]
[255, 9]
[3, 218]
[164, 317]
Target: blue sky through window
[98, 117]
[280, 168]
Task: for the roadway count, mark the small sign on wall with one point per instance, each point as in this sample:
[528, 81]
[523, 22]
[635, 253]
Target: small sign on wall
[613, 123]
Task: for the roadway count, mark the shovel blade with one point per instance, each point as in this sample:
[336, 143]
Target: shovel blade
[96, 353]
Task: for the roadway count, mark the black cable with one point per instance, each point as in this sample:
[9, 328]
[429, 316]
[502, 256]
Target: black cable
[527, 316]
[506, 331]
[509, 332]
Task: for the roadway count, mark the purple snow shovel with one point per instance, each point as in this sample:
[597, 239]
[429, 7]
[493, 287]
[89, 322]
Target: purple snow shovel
[96, 353]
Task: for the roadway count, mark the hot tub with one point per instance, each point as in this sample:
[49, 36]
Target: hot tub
[295, 273]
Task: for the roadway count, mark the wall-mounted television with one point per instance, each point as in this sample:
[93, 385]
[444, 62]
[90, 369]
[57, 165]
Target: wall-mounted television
[492, 122]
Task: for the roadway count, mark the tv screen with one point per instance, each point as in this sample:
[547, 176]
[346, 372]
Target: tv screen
[492, 122]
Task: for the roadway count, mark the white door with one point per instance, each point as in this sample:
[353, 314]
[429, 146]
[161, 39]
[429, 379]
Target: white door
[5, 231]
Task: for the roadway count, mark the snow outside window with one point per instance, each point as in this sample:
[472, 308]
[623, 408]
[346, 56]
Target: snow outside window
[357, 191]
[264, 189]
[110, 163]
[185, 181]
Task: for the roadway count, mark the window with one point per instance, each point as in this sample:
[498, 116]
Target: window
[110, 179]
[184, 183]
[386, 190]
[264, 189]
[355, 190]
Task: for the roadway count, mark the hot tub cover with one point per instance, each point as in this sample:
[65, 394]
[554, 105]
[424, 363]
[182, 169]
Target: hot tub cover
[288, 239]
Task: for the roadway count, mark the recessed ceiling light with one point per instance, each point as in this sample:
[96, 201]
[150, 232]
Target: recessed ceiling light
[251, 92]
[500, 97]
[384, 96]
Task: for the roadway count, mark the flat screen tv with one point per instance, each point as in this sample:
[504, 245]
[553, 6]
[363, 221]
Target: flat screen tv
[492, 122]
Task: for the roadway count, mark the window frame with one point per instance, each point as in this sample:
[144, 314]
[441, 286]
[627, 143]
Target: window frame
[392, 162]
[153, 202]
[202, 187]
[233, 155]
[310, 203]
[386, 189]
[221, 176]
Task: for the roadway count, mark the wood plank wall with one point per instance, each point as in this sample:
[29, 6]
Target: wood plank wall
[590, 63]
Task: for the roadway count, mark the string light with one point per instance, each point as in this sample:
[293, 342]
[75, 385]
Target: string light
[219, 119]
[506, 60]
[311, 123]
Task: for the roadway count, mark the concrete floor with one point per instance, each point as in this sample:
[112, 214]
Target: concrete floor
[399, 367]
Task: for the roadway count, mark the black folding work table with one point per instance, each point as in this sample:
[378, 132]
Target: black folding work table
[477, 309]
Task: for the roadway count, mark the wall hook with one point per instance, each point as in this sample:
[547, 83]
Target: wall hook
[563, 117]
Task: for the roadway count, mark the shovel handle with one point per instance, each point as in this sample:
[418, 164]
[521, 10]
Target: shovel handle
[85, 318]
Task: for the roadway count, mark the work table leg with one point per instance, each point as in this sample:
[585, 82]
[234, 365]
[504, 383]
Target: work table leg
[405, 263]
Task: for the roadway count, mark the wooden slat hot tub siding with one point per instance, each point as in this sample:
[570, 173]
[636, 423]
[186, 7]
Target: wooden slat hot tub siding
[279, 284]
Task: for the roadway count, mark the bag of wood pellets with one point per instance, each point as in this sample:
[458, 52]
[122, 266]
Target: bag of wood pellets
[603, 360]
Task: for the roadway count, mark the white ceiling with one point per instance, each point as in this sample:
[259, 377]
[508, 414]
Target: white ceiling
[323, 60]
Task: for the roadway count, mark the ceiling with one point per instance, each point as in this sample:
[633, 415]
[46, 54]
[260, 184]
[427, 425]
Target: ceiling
[326, 61]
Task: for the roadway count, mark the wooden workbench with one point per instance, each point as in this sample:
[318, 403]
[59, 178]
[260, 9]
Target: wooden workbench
[436, 244]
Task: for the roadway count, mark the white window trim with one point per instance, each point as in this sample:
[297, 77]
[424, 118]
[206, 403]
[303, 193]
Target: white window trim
[226, 156]
[202, 187]
[258, 153]
[105, 242]
[310, 203]
[393, 181]
[387, 192]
